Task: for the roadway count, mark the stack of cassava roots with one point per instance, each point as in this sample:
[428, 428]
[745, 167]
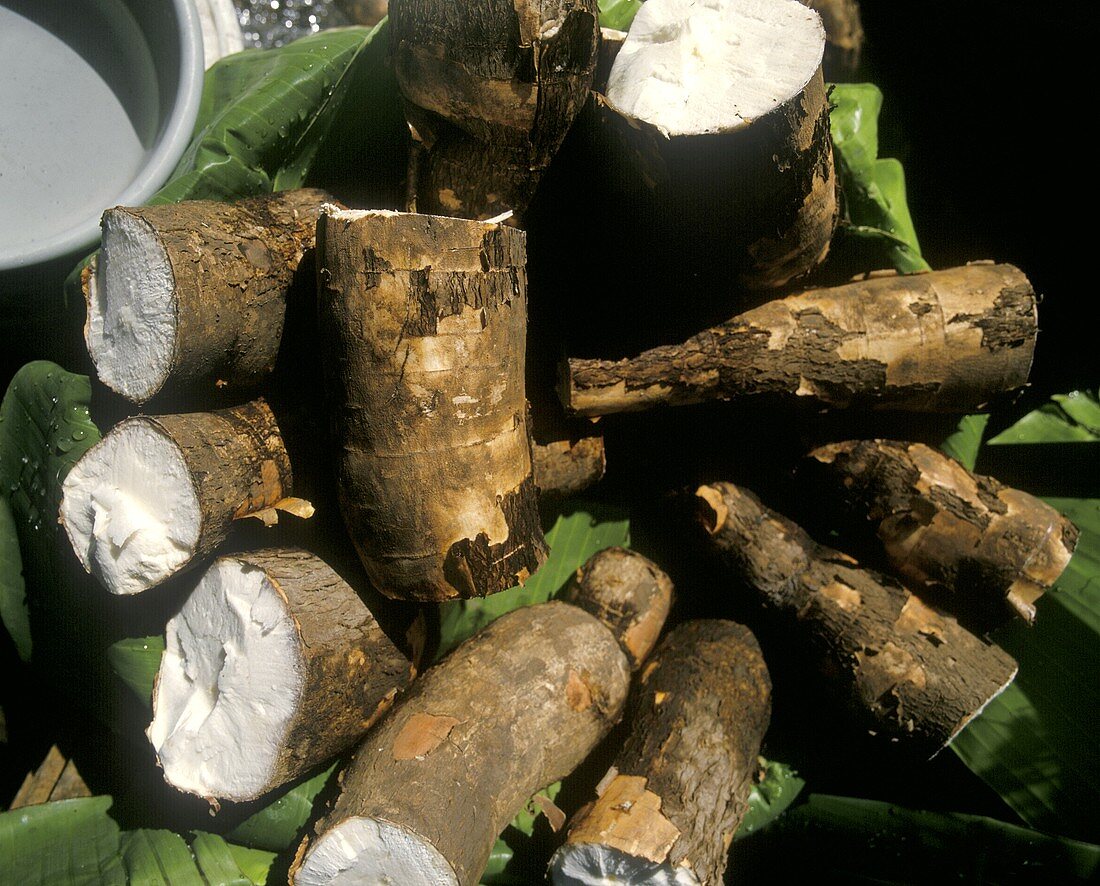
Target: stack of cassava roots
[707, 128]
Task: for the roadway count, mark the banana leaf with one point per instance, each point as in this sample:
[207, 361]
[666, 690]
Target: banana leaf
[575, 536]
[848, 840]
[136, 661]
[876, 218]
[13, 590]
[67, 843]
[1035, 744]
[44, 430]
[778, 788]
[618, 14]
[279, 824]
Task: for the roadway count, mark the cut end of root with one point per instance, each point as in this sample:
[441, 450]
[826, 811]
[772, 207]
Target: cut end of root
[131, 327]
[228, 685]
[592, 864]
[130, 508]
[712, 510]
[367, 850]
[691, 67]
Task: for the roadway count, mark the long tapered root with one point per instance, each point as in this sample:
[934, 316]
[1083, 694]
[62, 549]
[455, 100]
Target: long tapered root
[948, 341]
[903, 668]
[273, 665]
[993, 548]
[669, 806]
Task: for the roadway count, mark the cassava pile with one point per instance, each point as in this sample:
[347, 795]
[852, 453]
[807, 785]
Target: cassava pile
[712, 118]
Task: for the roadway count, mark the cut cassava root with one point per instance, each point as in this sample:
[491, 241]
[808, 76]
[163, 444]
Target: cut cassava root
[905, 669]
[513, 709]
[190, 298]
[159, 493]
[491, 90]
[987, 544]
[273, 666]
[669, 806]
[727, 100]
[947, 341]
[424, 324]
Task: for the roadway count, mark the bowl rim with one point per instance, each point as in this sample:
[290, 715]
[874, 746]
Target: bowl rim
[158, 165]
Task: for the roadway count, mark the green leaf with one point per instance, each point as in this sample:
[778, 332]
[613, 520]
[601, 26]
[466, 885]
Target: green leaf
[1033, 744]
[618, 14]
[514, 839]
[136, 661]
[965, 443]
[65, 843]
[44, 430]
[1070, 418]
[574, 538]
[278, 825]
[843, 839]
[770, 797]
[525, 821]
[216, 862]
[13, 591]
[255, 864]
[159, 858]
[876, 210]
[265, 113]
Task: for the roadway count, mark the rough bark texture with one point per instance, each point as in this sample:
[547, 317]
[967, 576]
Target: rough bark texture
[238, 464]
[986, 543]
[911, 671]
[843, 37]
[947, 341]
[759, 202]
[627, 592]
[424, 324]
[698, 715]
[364, 12]
[515, 708]
[491, 89]
[352, 670]
[232, 266]
[565, 467]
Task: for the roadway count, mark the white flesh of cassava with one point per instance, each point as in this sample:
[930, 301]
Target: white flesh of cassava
[131, 309]
[130, 508]
[590, 864]
[690, 67]
[229, 683]
[368, 851]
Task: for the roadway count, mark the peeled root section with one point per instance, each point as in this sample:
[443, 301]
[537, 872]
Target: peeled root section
[425, 321]
[272, 666]
[992, 548]
[947, 341]
[905, 669]
[669, 806]
[158, 493]
[190, 298]
[513, 709]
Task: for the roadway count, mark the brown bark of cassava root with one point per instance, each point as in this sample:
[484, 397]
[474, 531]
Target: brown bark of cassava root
[565, 467]
[230, 268]
[491, 90]
[987, 544]
[909, 671]
[424, 324]
[627, 592]
[947, 341]
[756, 204]
[350, 671]
[234, 462]
[843, 37]
[679, 787]
[514, 708]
